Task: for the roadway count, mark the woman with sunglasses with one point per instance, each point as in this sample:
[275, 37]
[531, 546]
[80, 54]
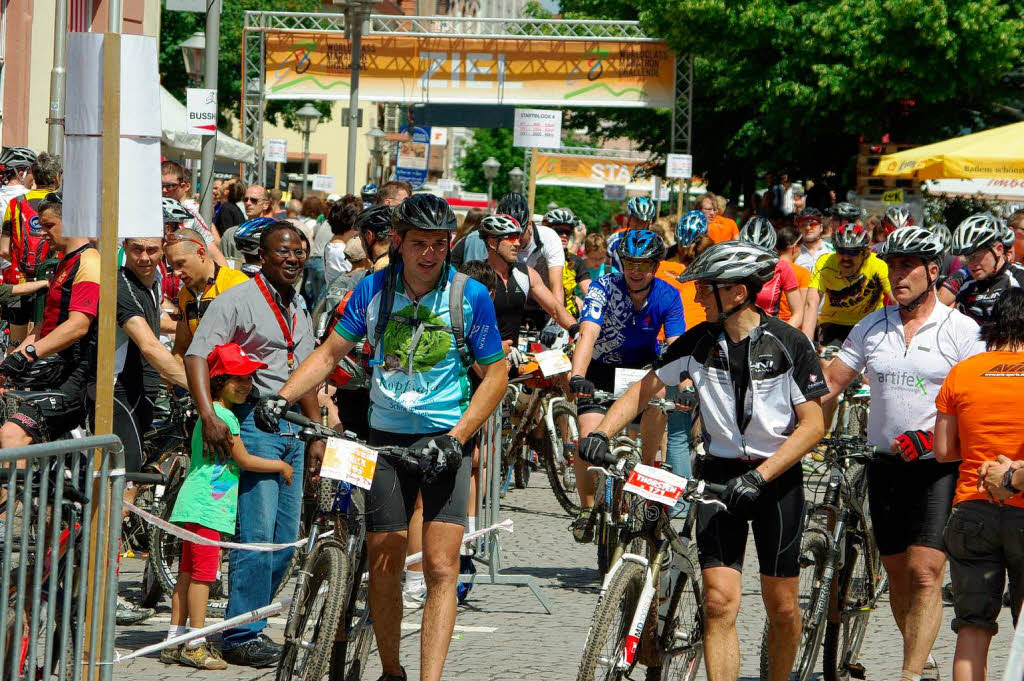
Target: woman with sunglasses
[847, 286]
[622, 315]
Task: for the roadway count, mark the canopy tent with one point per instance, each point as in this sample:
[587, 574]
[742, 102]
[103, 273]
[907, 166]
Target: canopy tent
[991, 188]
[174, 140]
[995, 153]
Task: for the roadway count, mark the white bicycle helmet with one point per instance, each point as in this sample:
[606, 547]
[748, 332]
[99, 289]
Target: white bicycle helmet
[912, 241]
[759, 231]
[896, 217]
[641, 208]
[174, 212]
[981, 230]
[499, 225]
[943, 234]
[560, 216]
[731, 262]
[850, 235]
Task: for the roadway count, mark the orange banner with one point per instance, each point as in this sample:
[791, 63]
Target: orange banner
[411, 69]
[590, 171]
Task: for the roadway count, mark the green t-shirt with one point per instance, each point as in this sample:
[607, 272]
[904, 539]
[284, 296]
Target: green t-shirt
[209, 496]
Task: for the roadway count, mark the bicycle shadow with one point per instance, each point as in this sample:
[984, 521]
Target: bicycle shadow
[581, 580]
[529, 511]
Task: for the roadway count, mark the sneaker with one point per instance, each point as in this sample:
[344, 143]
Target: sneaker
[258, 652]
[414, 599]
[127, 613]
[392, 677]
[171, 655]
[202, 657]
[947, 594]
[583, 527]
[931, 670]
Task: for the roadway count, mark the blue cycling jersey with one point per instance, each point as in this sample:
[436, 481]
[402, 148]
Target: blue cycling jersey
[629, 337]
[428, 391]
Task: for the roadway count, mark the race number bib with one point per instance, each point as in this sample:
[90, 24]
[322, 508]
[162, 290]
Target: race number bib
[349, 462]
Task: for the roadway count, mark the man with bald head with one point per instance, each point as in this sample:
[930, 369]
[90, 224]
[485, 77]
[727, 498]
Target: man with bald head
[257, 203]
[201, 281]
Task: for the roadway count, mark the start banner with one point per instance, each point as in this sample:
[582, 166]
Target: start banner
[416, 69]
[592, 171]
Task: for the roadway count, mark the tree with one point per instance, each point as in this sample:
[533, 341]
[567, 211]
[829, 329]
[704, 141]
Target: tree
[175, 27]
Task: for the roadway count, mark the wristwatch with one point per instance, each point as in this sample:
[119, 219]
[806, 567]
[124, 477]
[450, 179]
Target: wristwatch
[1008, 481]
[30, 350]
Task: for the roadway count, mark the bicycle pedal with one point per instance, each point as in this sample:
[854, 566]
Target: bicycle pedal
[857, 671]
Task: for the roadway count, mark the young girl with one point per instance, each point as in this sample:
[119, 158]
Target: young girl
[207, 503]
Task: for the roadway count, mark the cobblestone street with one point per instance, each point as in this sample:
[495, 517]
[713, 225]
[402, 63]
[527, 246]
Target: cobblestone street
[503, 633]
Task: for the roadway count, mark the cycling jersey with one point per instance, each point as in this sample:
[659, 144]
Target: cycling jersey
[847, 301]
[29, 247]
[906, 380]
[510, 301]
[750, 417]
[75, 287]
[782, 282]
[722, 229]
[191, 310]
[613, 248]
[574, 272]
[803, 280]
[628, 336]
[808, 259]
[434, 396]
[693, 312]
[977, 299]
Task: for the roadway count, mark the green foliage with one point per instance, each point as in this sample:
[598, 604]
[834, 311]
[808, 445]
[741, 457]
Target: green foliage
[495, 142]
[588, 204]
[175, 27]
[952, 210]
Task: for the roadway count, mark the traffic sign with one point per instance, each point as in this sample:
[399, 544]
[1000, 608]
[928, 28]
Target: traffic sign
[679, 165]
[200, 111]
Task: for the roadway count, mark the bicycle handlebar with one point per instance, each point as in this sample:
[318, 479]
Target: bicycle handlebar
[311, 430]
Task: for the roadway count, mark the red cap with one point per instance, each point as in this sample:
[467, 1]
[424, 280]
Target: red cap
[230, 360]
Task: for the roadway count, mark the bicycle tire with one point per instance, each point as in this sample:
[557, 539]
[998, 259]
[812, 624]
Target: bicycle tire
[842, 641]
[682, 637]
[605, 536]
[612, 617]
[306, 654]
[813, 555]
[857, 420]
[521, 467]
[562, 476]
[353, 653]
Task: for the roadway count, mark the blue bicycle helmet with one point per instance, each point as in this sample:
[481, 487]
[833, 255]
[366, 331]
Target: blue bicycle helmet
[247, 236]
[641, 208]
[641, 244]
[691, 227]
[368, 193]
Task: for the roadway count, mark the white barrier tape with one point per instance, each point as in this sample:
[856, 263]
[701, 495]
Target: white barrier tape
[182, 533]
[505, 525]
[115, 473]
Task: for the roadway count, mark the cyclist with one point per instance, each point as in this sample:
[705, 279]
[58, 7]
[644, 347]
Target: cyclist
[639, 215]
[759, 386]
[575, 275]
[420, 400]
[787, 245]
[248, 238]
[265, 317]
[176, 185]
[980, 240]
[759, 231]
[202, 280]
[812, 246]
[622, 315]
[852, 282]
[906, 350]
[15, 176]
[895, 217]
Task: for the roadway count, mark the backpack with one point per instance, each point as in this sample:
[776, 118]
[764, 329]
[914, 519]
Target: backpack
[351, 373]
[29, 247]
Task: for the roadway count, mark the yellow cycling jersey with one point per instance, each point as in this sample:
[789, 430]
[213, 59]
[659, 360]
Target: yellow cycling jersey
[569, 287]
[847, 301]
[191, 310]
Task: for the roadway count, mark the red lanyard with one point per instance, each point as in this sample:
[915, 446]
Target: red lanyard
[285, 331]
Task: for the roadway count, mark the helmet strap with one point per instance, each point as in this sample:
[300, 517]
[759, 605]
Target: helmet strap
[725, 314]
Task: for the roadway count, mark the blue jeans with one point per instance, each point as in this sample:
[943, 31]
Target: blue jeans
[268, 511]
[677, 452]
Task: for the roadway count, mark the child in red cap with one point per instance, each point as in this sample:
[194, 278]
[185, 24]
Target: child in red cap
[207, 503]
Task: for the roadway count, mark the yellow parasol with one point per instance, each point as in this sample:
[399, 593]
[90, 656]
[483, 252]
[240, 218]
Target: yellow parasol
[998, 152]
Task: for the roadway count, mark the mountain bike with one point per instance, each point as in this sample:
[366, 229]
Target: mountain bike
[650, 610]
[841, 575]
[329, 626]
[851, 417]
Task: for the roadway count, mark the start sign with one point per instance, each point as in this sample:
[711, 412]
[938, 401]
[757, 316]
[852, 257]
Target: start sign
[200, 111]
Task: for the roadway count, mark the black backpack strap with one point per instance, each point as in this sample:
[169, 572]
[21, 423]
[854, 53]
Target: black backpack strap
[387, 299]
[456, 313]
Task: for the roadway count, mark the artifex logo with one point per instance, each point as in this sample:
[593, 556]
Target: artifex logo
[904, 380]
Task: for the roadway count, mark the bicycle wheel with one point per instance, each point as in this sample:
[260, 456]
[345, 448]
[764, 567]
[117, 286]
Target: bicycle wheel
[843, 639]
[610, 626]
[813, 556]
[682, 637]
[558, 457]
[522, 466]
[315, 614]
[351, 654]
[164, 548]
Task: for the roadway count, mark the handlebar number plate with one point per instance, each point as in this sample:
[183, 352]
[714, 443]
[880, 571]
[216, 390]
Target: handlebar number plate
[655, 484]
[349, 462]
[553, 363]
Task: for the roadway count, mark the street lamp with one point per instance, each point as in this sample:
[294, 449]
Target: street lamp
[491, 167]
[193, 51]
[309, 118]
[376, 137]
[515, 179]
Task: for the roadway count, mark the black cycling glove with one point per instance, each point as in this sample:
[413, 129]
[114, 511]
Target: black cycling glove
[581, 386]
[743, 491]
[595, 448]
[439, 456]
[268, 411]
[15, 364]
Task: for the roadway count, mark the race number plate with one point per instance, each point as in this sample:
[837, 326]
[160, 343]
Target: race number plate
[349, 462]
[625, 378]
[553, 363]
[655, 484]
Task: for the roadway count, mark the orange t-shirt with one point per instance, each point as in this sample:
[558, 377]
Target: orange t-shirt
[723, 229]
[693, 314]
[983, 392]
[803, 280]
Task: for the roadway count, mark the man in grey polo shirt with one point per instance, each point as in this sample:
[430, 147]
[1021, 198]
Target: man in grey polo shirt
[266, 318]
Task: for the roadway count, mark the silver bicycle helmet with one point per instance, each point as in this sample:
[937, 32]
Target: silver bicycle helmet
[17, 158]
[499, 225]
[850, 235]
[846, 211]
[174, 212]
[730, 262]
[560, 216]
[641, 208]
[912, 241]
[896, 217]
[759, 231]
[943, 234]
[981, 230]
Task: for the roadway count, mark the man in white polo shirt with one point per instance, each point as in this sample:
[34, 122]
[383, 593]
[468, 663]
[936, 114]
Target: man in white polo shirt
[906, 351]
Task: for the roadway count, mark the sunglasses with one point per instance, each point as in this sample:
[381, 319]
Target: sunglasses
[512, 238]
[645, 266]
[253, 199]
[171, 185]
[704, 288]
[175, 238]
[852, 252]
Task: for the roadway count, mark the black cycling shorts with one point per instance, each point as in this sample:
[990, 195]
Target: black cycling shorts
[393, 492]
[777, 519]
[603, 377]
[49, 415]
[833, 334]
[910, 502]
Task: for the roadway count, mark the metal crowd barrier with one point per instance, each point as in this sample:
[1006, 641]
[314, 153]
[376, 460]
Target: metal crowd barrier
[60, 589]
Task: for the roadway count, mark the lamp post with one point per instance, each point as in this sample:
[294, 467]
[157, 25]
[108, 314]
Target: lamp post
[515, 179]
[309, 118]
[491, 167]
[376, 137]
[193, 51]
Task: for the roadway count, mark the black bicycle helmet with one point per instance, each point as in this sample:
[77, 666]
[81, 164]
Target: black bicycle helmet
[808, 214]
[515, 205]
[424, 211]
[845, 211]
[43, 374]
[17, 158]
[759, 231]
[375, 219]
